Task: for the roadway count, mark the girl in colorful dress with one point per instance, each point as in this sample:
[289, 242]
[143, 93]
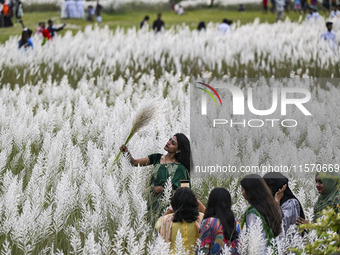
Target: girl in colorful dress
[219, 226]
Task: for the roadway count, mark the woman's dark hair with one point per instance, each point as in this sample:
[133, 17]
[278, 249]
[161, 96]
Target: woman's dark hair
[276, 181]
[29, 32]
[185, 206]
[201, 26]
[259, 195]
[24, 39]
[184, 156]
[219, 206]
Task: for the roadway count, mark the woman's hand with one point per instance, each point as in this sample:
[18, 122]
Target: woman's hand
[280, 193]
[201, 207]
[158, 189]
[300, 221]
[135, 162]
[123, 148]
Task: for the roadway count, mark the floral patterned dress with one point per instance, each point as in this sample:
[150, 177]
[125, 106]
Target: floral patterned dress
[212, 238]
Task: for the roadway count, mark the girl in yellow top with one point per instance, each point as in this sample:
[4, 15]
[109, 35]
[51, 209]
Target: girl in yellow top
[185, 218]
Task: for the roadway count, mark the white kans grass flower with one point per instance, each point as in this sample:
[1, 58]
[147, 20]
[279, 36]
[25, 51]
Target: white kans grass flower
[176, 50]
[58, 137]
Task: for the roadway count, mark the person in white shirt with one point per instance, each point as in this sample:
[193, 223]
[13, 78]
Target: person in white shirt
[335, 13]
[313, 13]
[329, 35]
[180, 10]
[280, 6]
[224, 27]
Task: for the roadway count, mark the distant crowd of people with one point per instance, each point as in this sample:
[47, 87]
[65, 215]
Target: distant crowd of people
[46, 33]
[224, 27]
[9, 9]
[297, 5]
[91, 11]
[302, 6]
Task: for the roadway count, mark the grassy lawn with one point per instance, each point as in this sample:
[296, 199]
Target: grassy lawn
[132, 18]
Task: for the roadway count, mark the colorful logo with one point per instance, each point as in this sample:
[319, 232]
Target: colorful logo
[209, 93]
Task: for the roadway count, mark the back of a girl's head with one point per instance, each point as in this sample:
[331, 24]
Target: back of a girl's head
[275, 181]
[260, 196]
[29, 32]
[219, 197]
[24, 35]
[256, 188]
[219, 206]
[184, 204]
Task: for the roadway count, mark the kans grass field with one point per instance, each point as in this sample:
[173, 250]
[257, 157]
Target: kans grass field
[67, 106]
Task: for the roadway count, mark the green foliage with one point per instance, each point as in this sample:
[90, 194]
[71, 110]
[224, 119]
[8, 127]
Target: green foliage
[41, 7]
[328, 230]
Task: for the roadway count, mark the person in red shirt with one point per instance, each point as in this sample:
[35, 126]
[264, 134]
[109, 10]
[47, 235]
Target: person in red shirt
[46, 33]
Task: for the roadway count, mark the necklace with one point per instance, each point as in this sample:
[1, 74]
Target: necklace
[170, 161]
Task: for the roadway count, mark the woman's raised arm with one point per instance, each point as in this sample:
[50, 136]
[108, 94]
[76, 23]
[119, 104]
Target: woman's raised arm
[135, 162]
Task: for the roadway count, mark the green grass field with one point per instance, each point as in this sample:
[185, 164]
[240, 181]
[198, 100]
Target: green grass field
[131, 17]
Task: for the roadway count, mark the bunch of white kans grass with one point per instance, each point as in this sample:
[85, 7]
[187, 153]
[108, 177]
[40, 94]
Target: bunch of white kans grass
[58, 142]
[284, 47]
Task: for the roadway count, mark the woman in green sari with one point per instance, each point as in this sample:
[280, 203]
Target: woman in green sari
[174, 164]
